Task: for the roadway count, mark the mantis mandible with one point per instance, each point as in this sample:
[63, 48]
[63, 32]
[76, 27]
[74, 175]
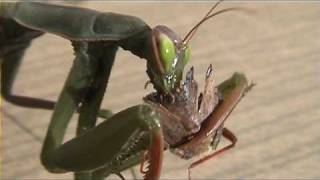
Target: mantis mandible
[175, 117]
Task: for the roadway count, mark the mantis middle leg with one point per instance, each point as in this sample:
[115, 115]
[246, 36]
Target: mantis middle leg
[85, 85]
[13, 45]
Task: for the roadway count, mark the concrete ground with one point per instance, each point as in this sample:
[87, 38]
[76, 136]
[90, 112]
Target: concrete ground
[277, 123]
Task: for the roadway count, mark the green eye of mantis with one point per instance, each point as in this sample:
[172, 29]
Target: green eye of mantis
[186, 55]
[167, 51]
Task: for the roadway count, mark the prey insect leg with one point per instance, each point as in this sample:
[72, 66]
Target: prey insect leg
[227, 134]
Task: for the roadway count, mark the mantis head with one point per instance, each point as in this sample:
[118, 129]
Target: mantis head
[170, 54]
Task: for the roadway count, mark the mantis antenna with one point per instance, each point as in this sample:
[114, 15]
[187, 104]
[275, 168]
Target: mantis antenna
[190, 34]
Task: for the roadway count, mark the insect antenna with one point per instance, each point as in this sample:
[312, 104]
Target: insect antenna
[190, 33]
[208, 15]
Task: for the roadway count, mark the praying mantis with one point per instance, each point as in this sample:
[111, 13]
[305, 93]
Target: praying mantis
[175, 117]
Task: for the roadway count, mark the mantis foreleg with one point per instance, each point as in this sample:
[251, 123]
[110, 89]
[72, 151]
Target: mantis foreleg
[135, 128]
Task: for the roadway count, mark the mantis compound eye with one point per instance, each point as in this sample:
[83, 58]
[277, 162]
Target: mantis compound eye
[167, 52]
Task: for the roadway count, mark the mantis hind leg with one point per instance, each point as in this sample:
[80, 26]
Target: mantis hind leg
[14, 40]
[9, 68]
[227, 134]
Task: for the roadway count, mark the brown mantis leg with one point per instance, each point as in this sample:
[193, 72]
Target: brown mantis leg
[227, 134]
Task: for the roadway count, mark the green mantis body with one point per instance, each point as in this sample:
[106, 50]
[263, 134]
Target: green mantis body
[148, 127]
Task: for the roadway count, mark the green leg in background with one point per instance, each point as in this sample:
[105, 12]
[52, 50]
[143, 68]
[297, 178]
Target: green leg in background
[90, 106]
[12, 48]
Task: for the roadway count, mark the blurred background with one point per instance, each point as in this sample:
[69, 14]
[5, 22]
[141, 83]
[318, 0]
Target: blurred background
[277, 123]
